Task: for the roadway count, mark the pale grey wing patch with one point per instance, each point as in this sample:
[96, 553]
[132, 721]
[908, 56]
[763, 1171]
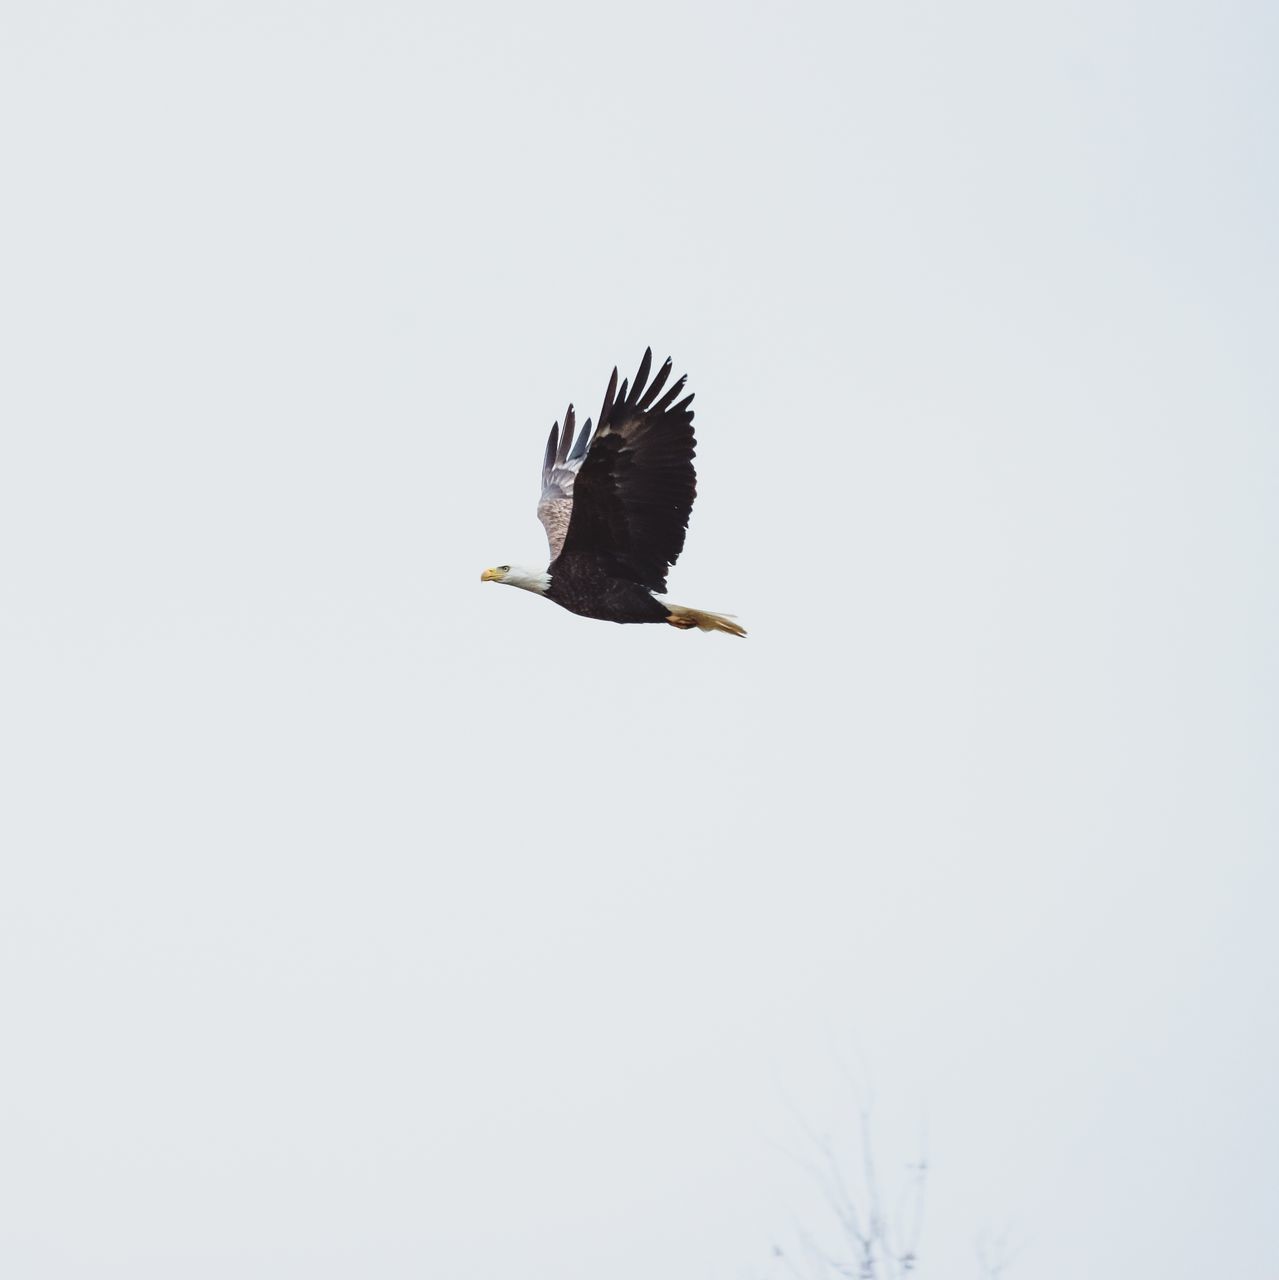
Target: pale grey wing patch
[555, 513]
[563, 460]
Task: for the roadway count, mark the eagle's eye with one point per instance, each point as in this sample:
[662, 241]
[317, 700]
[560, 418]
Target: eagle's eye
[504, 568]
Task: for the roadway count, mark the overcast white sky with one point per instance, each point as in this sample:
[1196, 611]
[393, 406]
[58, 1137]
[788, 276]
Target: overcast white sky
[360, 920]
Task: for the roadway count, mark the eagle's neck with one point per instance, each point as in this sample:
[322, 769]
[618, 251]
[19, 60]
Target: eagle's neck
[537, 580]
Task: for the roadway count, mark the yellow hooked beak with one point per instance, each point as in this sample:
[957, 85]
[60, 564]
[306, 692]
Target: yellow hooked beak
[490, 575]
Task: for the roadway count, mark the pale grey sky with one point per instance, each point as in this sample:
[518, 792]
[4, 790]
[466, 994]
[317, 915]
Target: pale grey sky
[360, 920]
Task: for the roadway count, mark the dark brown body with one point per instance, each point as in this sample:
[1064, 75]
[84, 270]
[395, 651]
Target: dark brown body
[587, 585]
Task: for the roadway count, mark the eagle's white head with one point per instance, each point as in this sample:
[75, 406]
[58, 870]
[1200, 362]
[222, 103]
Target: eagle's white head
[515, 575]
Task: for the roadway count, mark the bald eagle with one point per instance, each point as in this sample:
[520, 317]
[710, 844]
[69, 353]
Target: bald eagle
[615, 507]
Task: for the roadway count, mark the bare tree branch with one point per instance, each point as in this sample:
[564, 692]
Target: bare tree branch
[876, 1232]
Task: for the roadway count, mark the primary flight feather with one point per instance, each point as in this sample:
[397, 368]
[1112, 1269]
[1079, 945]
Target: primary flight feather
[615, 507]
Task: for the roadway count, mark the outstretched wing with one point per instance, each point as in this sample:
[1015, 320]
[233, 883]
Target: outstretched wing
[559, 469]
[635, 486]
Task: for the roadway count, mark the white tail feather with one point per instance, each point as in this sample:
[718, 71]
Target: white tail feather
[685, 618]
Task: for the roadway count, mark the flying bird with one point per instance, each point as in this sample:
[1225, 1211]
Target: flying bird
[615, 507]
